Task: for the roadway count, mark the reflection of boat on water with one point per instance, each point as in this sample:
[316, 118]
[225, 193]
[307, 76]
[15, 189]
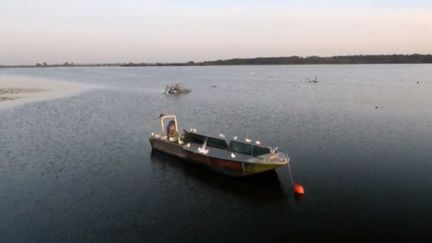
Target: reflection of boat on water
[232, 158]
[261, 188]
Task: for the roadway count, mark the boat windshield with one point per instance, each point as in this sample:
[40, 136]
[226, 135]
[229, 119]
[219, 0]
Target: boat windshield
[234, 146]
[249, 149]
[211, 141]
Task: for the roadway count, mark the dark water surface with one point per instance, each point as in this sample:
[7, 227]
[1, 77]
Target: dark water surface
[80, 169]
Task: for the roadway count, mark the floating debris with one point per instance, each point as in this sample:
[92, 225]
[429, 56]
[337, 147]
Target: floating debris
[176, 89]
[315, 80]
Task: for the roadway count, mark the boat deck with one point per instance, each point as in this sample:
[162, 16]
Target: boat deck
[224, 154]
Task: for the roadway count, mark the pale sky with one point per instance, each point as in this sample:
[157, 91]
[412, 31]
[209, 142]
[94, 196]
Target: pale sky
[83, 31]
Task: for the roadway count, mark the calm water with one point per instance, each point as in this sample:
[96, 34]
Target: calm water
[80, 169]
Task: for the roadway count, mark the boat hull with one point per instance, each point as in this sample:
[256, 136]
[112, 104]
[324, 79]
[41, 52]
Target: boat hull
[223, 166]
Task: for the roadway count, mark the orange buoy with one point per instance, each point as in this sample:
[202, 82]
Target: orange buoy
[298, 189]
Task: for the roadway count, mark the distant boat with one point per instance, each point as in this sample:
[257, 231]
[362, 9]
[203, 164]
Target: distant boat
[231, 158]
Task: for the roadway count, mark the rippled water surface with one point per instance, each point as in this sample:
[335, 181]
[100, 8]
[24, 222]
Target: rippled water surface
[80, 169]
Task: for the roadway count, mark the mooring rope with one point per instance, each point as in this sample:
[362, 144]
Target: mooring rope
[289, 170]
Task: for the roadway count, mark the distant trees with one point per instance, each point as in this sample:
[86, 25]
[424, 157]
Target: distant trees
[65, 64]
[355, 59]
[292, 60]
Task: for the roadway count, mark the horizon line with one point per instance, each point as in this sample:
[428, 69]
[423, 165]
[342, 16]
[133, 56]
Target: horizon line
[208, 62]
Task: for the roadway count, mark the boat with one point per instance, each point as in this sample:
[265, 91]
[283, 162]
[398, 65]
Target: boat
[229, 157]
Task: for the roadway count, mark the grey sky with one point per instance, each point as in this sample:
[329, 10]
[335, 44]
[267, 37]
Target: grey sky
[150, 31]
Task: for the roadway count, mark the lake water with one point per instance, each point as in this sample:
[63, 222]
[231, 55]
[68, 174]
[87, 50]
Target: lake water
[80, 169]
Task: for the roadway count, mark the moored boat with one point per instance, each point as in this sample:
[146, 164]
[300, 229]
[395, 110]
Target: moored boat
[232, 158]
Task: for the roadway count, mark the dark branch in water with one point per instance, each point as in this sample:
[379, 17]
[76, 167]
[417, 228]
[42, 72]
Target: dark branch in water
[315, 80]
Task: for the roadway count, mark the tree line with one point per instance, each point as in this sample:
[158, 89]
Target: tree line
[297, 60]
[355, 59]
[292, 60]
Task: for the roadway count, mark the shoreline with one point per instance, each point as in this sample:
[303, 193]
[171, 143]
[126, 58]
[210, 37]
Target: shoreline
[18, 90]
